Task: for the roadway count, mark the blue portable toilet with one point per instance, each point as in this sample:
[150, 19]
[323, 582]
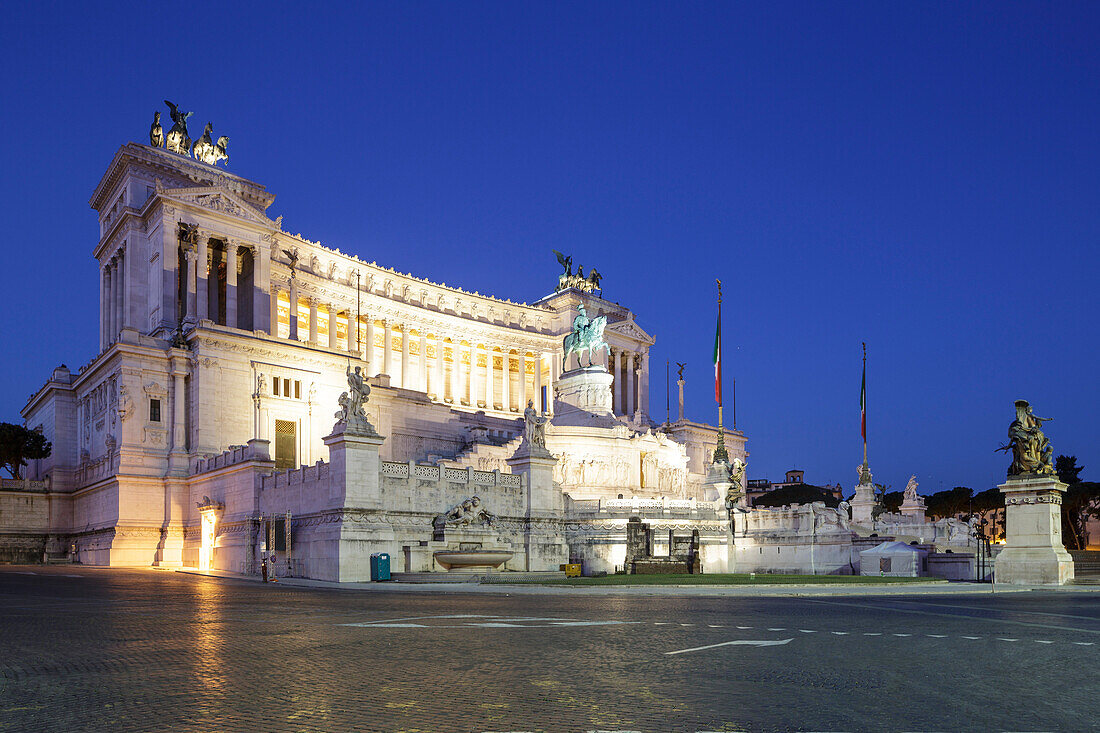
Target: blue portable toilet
[380, 566]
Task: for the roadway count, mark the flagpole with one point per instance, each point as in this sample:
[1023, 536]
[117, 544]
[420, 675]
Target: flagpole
[864, 417]
[720, 453]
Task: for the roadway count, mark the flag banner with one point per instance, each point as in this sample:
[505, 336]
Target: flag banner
[718, 358]
[863, 404]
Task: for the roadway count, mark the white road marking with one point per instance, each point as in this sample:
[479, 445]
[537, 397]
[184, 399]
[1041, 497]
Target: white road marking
[687, 624]
[20, 572]
[999, 639]
[1043, 641]
[744, 627]
[807, 631]
[389, 626]
[937, 636]
[840, 633]
[590, 623]
[971, 637]
[716, 626]
[902, 634]
[661, 623]
[738, 642]
[872, 633]
[776, 629]
[1084, 643]
[894, 607]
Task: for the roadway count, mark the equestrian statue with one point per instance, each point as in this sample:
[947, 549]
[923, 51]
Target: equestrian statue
[587, 335]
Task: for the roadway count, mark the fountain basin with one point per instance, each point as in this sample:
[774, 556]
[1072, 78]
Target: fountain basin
[463, 559]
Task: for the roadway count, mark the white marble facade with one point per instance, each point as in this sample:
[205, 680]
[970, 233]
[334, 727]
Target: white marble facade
[220, 330]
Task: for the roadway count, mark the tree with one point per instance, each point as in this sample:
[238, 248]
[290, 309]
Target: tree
[796, 494]
[1067, 469]
[19, 445]
[891, 500]
[949, 503]
[985, 505]
[1080, 503]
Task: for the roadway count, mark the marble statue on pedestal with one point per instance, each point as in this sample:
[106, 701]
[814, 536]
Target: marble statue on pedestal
[351, 416]
[534, 430]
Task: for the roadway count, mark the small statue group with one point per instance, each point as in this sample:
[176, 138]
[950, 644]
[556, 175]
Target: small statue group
[534, 428]
[464, 514]
[178, 141]
[570, 280]
[1031, 451]
[351, 415]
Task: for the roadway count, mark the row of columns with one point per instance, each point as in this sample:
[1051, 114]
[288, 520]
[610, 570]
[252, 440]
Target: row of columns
[114, 296]
[205, 299]
[630, 390]
[629, 395]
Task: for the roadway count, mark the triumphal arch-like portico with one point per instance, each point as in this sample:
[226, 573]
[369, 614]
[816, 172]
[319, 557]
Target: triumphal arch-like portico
[226, 349]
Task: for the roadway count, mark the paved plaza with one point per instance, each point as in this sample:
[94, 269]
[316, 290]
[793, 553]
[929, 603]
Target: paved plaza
[124, 650]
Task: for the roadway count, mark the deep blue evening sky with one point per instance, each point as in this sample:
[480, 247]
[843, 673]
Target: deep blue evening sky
[922, 177]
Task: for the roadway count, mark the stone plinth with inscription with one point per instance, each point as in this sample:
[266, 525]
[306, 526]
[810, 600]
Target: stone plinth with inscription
[1033, 553]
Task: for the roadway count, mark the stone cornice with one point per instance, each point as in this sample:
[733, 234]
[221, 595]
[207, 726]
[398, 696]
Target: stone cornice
[155, 159]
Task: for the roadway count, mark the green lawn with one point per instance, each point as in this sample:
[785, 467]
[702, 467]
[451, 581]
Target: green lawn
[733, 579]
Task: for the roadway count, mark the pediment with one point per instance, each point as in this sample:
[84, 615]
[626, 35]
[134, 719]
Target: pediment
[631, 330]
[215, 198]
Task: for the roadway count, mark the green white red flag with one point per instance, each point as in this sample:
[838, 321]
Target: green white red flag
[718, 358]
[863, 404]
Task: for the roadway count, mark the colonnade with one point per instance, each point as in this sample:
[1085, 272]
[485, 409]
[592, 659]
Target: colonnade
[114, 298]
[630, 390]
[217, 283]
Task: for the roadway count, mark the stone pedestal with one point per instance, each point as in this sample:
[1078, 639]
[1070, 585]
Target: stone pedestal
[583, 394]
[863, 503]
[538, 467]
[353, 461]
[1033, 552]
[913, 511]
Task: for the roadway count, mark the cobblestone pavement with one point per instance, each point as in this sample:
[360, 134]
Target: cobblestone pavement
[86, 649]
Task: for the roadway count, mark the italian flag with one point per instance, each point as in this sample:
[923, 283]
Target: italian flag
[863, 405]
[718, 358]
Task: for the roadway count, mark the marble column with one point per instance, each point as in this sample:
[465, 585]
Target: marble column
[293, 307]
[456, 358]
[423, 380]
[406, 378]
[332, 318]
[629, 384]
[263, 319]
[643, 384]
[506, 380]
[471, 351]
[275, 310]
[123, 299]
[538, 382]
[212, 285]
[231, 285]
[104, 306]
[314, 329]
[112, 284]
[366, 342]
[488, 395]
[192, 277]
[440, 389]
[387, 347]
[521, 363]
[617, 383]
[202, 271]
